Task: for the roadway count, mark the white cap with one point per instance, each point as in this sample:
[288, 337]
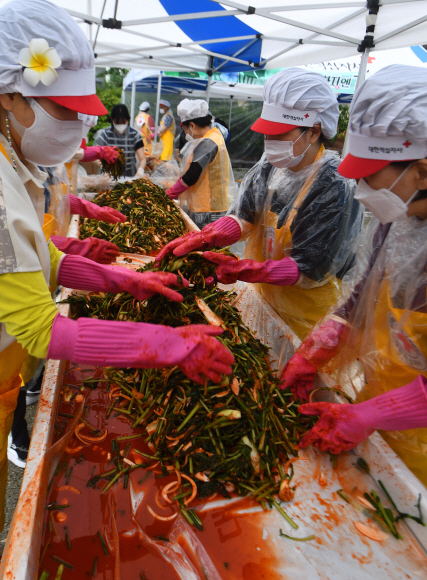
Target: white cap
[297, 98]
[165, 103]
[29, 27]
[388, 115]
[144, 106]
[192, 109]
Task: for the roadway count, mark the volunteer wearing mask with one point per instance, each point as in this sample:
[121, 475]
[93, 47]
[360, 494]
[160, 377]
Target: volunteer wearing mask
[296, 212]
[145, 125]
[120, 135]
[166, 131]
[45, 129]
[383, 325]
[207, 180]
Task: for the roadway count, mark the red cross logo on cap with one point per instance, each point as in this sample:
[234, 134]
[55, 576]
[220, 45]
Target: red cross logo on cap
[306, 115]
[407, 143]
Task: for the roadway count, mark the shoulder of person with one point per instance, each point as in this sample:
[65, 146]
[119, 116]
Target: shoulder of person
[328, 175]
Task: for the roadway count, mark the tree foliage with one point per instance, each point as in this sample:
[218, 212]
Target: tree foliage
[343, 121]
[110, 93]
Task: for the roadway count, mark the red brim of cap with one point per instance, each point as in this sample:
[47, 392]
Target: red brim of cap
[271, 128]
[357, 167]
[87, 104]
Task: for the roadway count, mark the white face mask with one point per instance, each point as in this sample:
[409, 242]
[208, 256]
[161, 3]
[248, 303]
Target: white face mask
[189, 137]
[281, 153]
[49, 141]
[162, 111]
[383, 203]
[120, 128]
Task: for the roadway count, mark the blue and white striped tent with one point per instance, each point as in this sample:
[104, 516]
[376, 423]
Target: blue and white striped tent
[214, 35]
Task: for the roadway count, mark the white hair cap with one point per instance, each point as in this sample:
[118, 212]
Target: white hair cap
[388, 115]
[300, 98]
[29, 27]
[144, 106]
[192, 109]
[165, 103]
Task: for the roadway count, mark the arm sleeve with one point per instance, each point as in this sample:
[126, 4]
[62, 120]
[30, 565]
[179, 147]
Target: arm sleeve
[203, 155]
[138, 142]
[192, 175]
[168, 121]
[27, 310]
[55, 259]
[151, 122]
[326, 228]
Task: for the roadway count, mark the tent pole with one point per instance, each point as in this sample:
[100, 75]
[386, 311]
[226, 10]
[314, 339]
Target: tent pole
[210, 75]
[365, 46]
[208, 89]
[132, 104]
[229, 117]
[360, 79]
[159, 92]
[123, 100]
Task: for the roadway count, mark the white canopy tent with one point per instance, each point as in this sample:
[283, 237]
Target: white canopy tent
[227, 35]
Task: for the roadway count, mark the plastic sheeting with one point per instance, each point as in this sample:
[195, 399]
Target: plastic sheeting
[59, 190]
[310, 216]
[166, 174]
[246, 146]
[388, 324]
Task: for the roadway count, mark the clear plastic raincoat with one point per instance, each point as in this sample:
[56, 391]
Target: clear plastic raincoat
[310, 216]
[209, 197]
[387, 317]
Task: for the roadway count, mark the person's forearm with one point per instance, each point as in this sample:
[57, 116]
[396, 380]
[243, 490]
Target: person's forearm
[27, 310]
[142, 159]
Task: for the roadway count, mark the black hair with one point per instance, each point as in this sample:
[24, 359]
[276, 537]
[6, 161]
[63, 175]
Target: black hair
[200, 121]
[119, 113]
[327, 143]
[221, 122]
[402, 165]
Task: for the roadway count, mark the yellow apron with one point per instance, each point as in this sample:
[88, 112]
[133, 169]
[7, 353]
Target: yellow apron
[145, 132]
[167, 139]
[11, 361]
[401, 345]
[210, 192]
[301, 308]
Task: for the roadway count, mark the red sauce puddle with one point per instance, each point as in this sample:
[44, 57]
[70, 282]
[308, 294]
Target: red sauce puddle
[230, 540]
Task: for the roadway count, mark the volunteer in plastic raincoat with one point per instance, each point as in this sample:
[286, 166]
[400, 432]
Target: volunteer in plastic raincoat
[296, 212]
[45, 130]
[145, 124]
[207, 181]
[166, 131]
[375, 340]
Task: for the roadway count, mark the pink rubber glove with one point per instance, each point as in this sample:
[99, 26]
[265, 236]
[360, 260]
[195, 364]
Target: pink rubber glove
[223, 232]
[279, 272]
[94, 249]
[82, 274]
[141, 345]
[88, 209]
[318, 348]
[110, 154]
[342, 427]
[175, 191]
